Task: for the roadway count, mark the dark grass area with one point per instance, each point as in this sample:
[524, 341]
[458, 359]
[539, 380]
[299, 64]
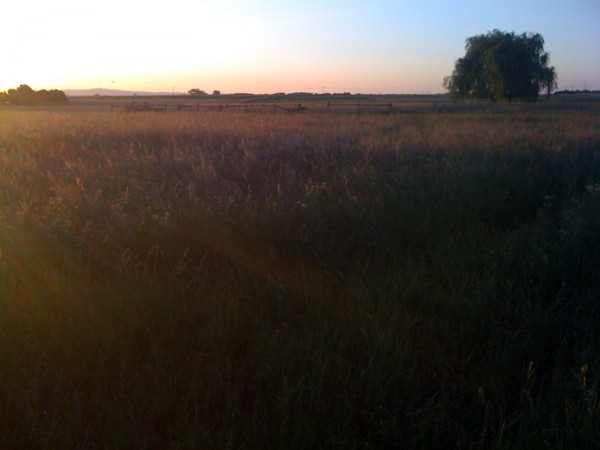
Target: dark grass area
[300, 281]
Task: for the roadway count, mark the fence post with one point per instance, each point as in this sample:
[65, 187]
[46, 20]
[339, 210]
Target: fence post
[390, 107]
[358, 105]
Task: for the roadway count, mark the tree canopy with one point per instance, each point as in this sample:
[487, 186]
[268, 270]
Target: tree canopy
[502, 65]
[24, 95]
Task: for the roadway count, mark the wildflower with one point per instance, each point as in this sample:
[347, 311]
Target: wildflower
[593, 188]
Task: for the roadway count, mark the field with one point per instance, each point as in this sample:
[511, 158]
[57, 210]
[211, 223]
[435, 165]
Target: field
[224, 280]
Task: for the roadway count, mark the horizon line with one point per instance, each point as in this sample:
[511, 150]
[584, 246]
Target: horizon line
[180, 93]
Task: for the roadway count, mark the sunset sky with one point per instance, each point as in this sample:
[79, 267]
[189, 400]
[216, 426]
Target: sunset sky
[266, 46]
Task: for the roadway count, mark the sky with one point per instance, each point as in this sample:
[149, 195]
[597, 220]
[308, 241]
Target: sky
[268, 46]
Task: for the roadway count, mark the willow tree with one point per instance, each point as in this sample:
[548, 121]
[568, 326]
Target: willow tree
[501, 65]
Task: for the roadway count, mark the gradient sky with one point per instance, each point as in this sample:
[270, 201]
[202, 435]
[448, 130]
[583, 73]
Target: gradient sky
[266, 46]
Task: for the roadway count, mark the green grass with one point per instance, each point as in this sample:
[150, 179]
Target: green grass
[234, 280]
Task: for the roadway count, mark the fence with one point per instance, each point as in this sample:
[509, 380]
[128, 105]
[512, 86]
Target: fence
[298, 107]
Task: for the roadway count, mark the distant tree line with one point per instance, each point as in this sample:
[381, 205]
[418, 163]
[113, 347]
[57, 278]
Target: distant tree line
[579, 91]
[24, 95]
[277, 95]
[202, 93]
[310, 94]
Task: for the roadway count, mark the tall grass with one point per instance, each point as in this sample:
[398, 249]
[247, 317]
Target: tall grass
[234, 280]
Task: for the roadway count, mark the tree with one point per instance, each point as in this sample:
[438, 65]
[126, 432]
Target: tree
[216, 92]
[24, 89]
[55, 95]
[24, 95]
[196, 92]
[501, 65]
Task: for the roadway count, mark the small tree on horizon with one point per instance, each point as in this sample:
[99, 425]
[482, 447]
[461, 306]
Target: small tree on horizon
[501, 65]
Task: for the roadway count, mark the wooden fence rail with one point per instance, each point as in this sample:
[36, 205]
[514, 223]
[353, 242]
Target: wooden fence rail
[298, 107]
[358, 105]
[163, 107]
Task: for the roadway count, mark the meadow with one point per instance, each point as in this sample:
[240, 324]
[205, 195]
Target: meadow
[229, 280]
